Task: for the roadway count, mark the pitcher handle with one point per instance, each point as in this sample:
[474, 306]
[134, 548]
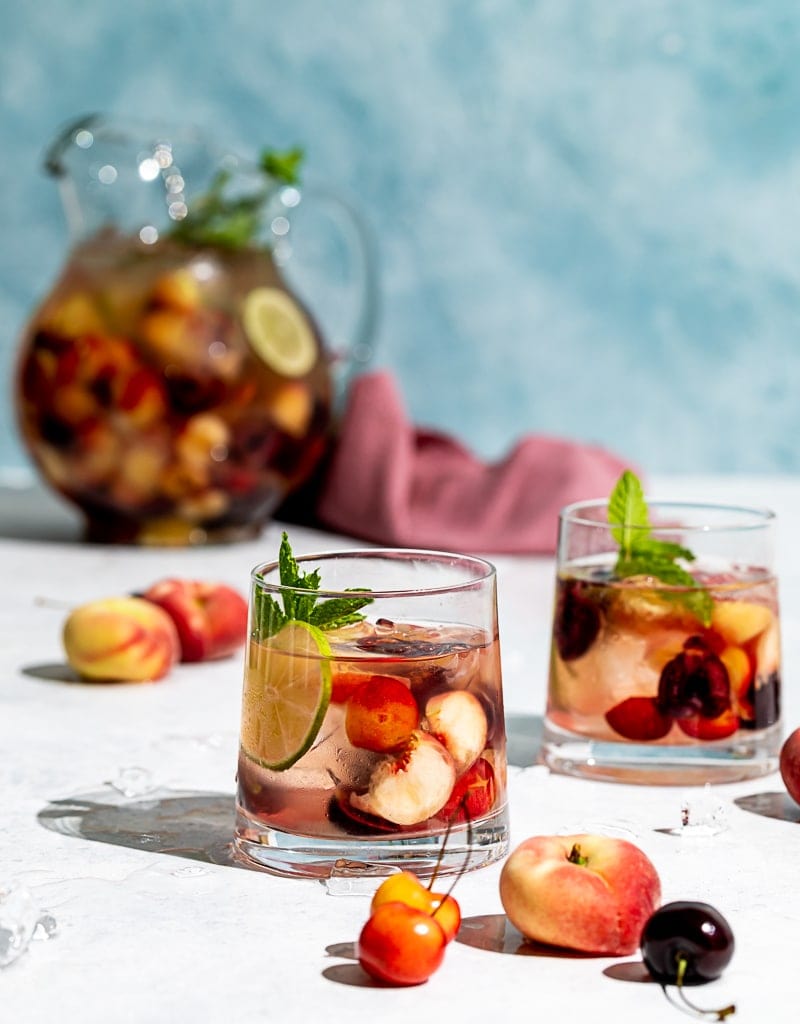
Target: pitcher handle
[311, 266]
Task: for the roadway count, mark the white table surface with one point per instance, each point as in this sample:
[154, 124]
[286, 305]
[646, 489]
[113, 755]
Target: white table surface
[152, 937]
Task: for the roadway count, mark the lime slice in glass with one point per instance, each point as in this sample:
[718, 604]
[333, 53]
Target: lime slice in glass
[279, 331]
[286, 694]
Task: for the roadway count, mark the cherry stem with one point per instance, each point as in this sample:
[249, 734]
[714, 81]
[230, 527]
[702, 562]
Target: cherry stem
[688, 1006]
[465, 865]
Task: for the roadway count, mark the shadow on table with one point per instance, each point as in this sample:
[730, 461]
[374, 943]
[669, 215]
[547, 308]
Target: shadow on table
[524, 736]
[194, 825]
[54, 672]
[34, 513]
[770, 805]
[491, 932]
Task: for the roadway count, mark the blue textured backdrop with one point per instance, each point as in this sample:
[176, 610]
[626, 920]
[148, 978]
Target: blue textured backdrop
[587, 212]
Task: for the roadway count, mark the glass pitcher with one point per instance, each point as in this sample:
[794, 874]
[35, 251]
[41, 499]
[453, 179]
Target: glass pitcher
[174, 384]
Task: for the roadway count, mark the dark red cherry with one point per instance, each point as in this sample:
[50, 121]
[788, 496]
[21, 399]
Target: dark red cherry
[688, 932]
[694, 682]
[577, 620]
[719, 728]
[688, 943]
[398, 647]
[766, 700]
[638, 718]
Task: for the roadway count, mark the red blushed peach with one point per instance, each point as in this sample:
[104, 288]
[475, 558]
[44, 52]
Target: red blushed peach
[120, 639]
[790, 765]
[211, 618]
[591, 893]
[381, 715]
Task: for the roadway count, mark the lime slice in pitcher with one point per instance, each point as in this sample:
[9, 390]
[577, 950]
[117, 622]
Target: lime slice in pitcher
[279, 331]
[287, 692]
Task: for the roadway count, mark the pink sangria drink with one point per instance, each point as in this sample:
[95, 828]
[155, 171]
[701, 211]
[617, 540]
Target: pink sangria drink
[152, 395]
[665, 660]
[372, 719]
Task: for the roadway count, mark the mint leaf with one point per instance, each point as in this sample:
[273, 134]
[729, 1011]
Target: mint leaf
[663, 569]
[698, 601]
[628, 509]
[268, 616]
[641, 554]
[332, 613]
[285, 166]
[218, 218]
[338, 611]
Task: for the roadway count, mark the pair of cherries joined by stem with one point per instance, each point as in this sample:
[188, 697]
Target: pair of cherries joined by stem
[408, 930]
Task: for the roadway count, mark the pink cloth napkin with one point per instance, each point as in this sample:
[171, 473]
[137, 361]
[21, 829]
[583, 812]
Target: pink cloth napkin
[394, 484]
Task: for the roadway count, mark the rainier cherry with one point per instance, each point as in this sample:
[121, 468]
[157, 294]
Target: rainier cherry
[404, 940]
[405, 887]
[381, 714]
[401, 945]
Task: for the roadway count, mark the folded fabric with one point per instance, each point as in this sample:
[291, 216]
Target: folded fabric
[394, 484]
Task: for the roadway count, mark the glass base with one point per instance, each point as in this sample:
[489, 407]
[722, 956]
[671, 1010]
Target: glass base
[740, 758]
[283, 853]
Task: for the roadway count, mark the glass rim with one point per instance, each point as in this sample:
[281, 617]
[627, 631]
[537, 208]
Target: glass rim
[487, 571]
[750, 517]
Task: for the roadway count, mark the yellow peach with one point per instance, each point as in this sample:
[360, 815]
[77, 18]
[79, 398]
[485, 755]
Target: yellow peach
[739, 621]
[76, 314]
[138, 472]
[203, 440]
[168, 333]
[179, 289]
[740, 671]
[121, 638]
[291, 407]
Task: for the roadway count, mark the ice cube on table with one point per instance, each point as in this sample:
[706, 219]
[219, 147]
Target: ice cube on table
[21, 920]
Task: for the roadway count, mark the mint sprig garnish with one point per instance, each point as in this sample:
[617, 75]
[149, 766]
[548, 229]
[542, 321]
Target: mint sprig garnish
[642, 554]
[217, 218]
[282, 166]
[301, 602]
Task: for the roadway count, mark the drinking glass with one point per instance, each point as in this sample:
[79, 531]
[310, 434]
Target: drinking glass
[656, 682]
[373, 738]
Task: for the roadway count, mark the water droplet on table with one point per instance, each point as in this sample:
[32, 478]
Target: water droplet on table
[133, 781]
[356, 877]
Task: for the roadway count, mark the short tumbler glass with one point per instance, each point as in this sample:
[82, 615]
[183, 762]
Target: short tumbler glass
[657, 683]
[379, 743]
